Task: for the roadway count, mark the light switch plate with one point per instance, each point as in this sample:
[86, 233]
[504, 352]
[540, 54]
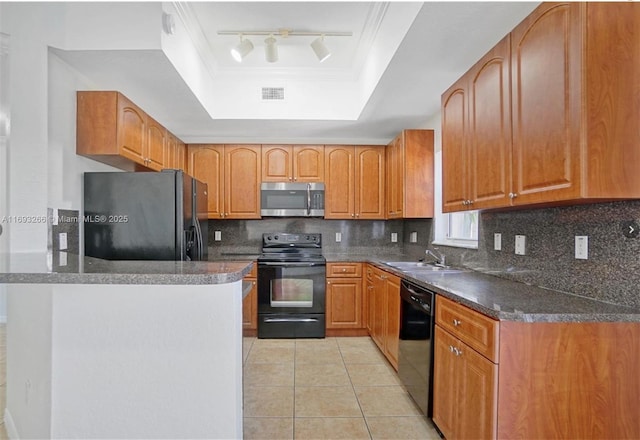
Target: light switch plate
[497, 241]
[338, 237]
[582, 247]
[217, 235]
[63, 241]
[394, 237]
[521, 242]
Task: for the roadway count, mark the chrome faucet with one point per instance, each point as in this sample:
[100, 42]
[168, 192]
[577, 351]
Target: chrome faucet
[440, 259]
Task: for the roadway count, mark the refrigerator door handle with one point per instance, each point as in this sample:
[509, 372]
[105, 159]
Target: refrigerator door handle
[199, 239]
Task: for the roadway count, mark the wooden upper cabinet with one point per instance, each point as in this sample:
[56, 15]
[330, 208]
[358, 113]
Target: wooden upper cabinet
[206, 163]
[242, 168]
[113, 130]
[455, 169]
[369, 182]
[232, 174]
[131, 129]
[543, 118]
[547, 89]
[156, 145]
[489, 149]
[354, 179]
[476, 139]
[339, 182]
[410, 175]
[293, 163]
[176, 153]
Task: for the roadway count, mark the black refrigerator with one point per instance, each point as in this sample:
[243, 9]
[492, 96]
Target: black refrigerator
[145, 216]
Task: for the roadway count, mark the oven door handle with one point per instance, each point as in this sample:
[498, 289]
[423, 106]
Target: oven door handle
[290, 264]
[290, 319]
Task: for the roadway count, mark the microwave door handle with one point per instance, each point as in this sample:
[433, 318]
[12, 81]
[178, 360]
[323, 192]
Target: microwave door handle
[308, 199]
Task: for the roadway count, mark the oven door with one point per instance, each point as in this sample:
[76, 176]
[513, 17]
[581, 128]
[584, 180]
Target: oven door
[291, 287]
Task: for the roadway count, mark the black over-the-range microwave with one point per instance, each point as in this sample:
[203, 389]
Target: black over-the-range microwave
[292, 199]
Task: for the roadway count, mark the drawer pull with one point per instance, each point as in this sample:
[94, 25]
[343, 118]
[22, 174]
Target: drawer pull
[456, 323]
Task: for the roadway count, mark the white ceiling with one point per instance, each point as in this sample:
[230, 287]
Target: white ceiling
[400, 60]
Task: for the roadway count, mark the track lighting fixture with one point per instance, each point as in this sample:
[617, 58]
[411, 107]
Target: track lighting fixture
[242, 49]
[320, 49]
[271, 48]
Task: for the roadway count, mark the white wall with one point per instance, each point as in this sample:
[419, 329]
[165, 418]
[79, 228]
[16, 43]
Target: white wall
[43, 168]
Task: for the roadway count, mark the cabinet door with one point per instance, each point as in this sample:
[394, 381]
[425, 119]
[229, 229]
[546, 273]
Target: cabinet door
[378, 309]
[171, 158]
[344, 303]
[454, 149]
[394, 184]
[132, 136]
[156, 145]
[276, 163]
[242, 164]
[250, 307]
[392, 327]
[369, 183]
[206, 164]
[477, 395]
[339, 182]
[181, 156]
[445, 376]
[308, 163]
[490, 129]
[546, 60]
[369, 300]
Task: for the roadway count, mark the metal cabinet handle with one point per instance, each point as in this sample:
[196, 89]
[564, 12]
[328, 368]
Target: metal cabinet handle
[456, 322]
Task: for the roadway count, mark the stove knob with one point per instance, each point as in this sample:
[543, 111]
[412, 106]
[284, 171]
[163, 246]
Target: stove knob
[269, 237]
[276, 238]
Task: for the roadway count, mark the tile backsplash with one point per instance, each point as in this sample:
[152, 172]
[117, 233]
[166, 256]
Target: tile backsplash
[611, 273]
[358, 236]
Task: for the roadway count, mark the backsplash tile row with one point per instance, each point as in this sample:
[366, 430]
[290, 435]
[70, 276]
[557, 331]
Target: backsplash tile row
[358, 236]
[611, 274]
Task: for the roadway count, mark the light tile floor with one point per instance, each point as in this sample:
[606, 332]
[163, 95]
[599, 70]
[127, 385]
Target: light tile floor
[333, 388]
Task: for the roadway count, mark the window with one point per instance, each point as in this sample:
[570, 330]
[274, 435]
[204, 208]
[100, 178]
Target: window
[458, 229]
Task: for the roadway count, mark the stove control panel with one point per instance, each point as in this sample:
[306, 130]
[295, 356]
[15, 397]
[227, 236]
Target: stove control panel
[291, 240]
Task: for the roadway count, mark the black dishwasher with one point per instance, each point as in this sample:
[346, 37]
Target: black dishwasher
[415, 353]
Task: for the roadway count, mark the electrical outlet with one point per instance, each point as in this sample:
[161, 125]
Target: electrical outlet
[62, 242]
[217, 235]
[582, 247]
[497, 241]
[63, 258]
[394, 237]
[521, 242]
[413, 237]
[338, 237]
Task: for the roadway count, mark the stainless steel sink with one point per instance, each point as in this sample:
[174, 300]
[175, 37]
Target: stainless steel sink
[417, 267]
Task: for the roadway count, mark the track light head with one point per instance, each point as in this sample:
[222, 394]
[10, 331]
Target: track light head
[270, 49]
[320, 49]
[242, 49]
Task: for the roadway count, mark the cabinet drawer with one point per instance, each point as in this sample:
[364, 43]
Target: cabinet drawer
[344, 270]
[475, 329]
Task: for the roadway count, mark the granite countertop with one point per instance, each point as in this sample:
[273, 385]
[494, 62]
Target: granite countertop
[503, 299]
[40, 268]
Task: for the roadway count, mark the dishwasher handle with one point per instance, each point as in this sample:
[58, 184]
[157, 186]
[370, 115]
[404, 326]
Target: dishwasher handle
[419, 297]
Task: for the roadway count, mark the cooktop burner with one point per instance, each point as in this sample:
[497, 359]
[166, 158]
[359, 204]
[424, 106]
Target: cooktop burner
[283, 246]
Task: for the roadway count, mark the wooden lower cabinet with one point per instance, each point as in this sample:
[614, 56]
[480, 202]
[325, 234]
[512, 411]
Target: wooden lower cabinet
[465, 389]
[553, 379]
[344, 300]
[250, 304]
[384, 312]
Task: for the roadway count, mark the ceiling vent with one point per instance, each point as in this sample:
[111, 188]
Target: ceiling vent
[273, 93]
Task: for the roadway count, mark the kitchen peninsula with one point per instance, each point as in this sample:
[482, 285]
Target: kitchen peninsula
[123, 349]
